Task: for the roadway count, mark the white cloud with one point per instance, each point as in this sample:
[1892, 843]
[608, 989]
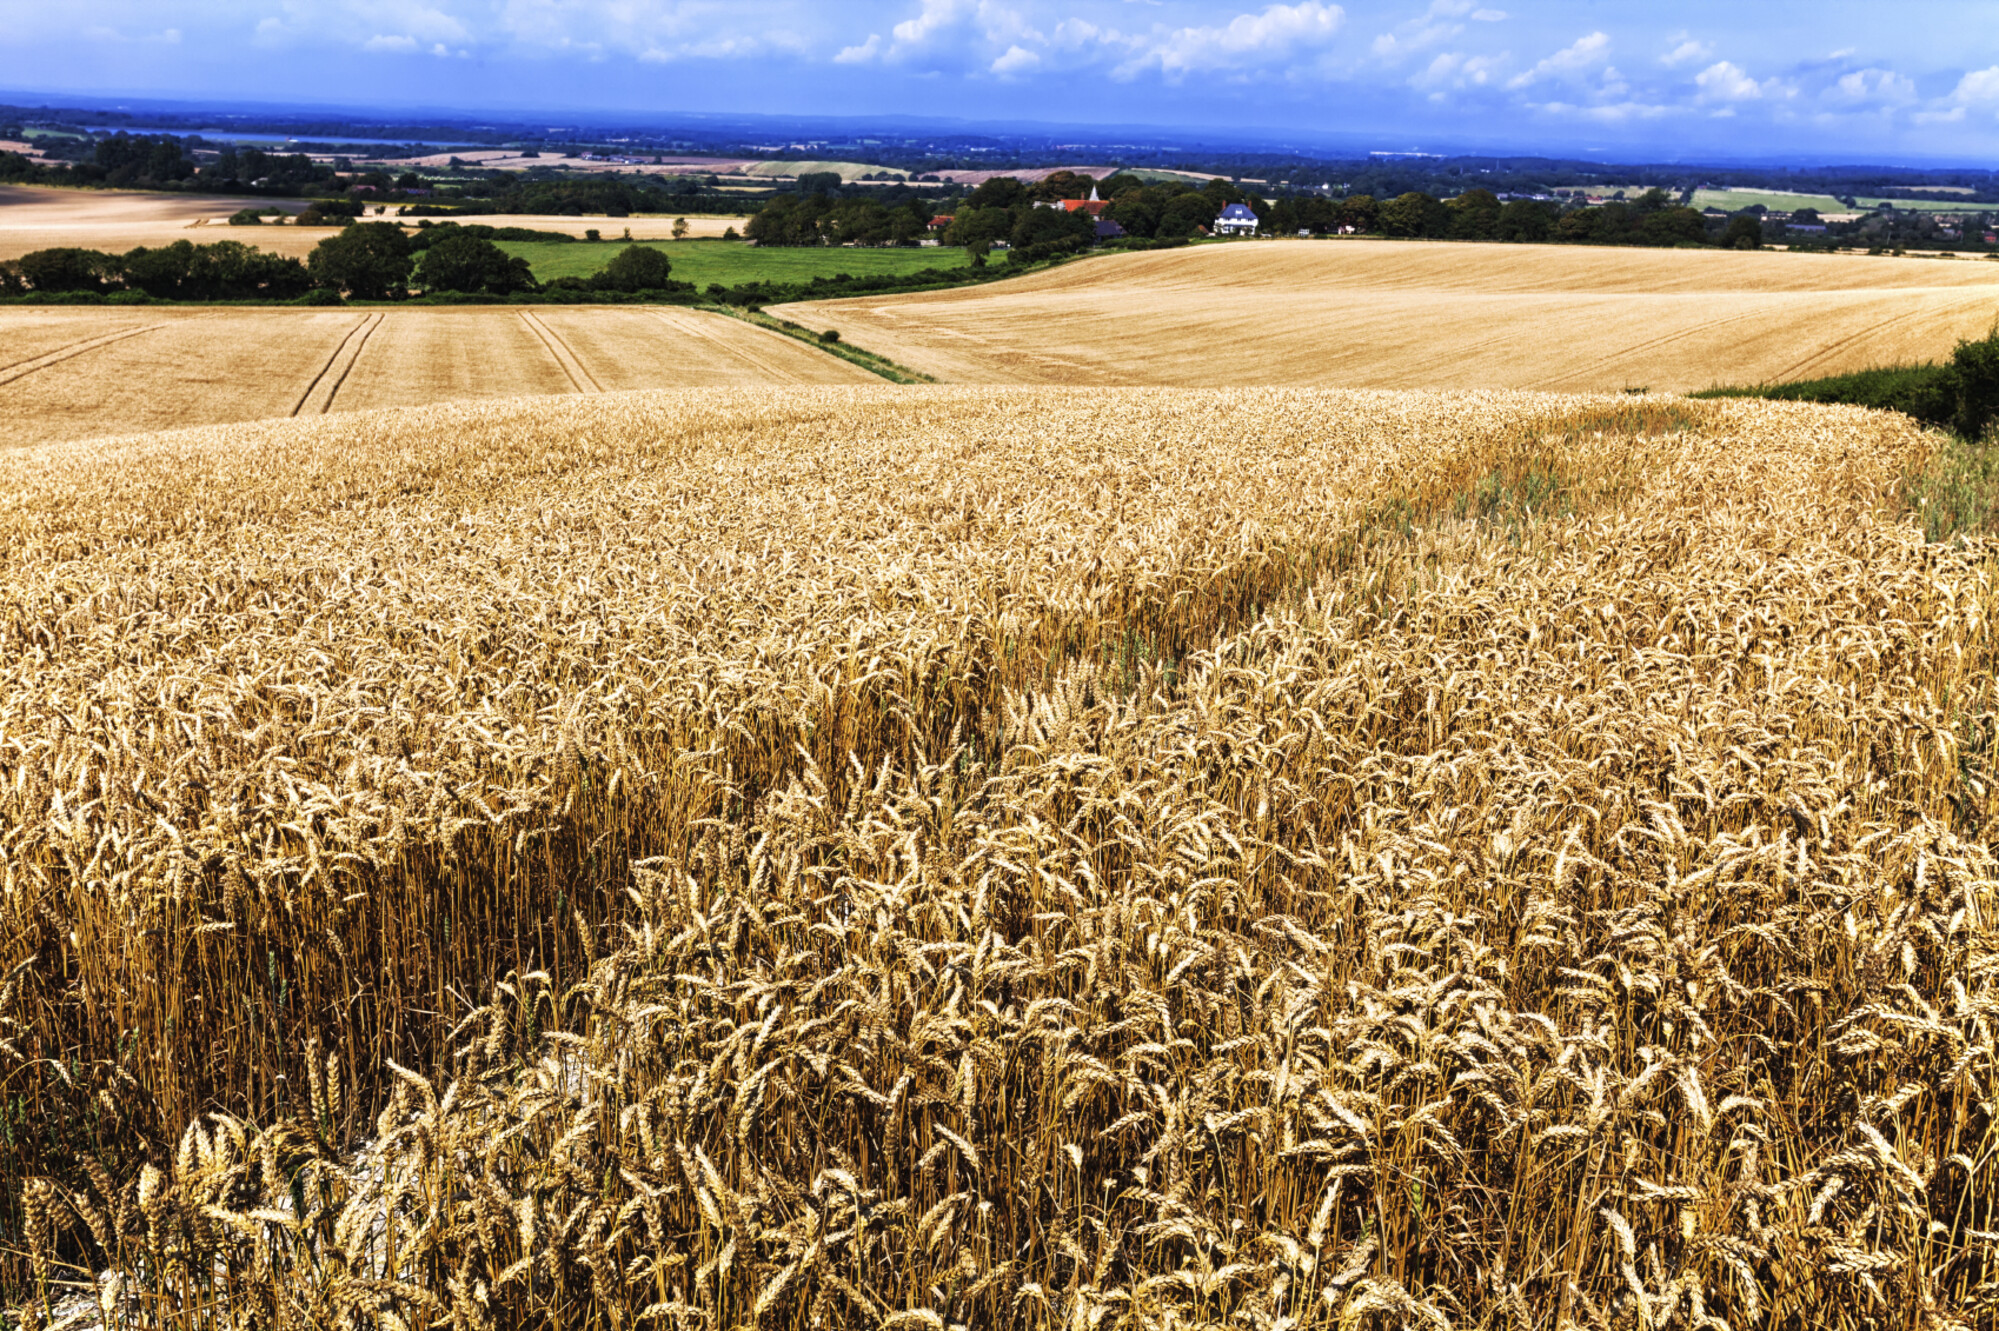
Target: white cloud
[1435, 26]
[861, 54]
[1979, 87]
[1577, 58]
[1247, 39]
[1725, 82]
[1015, 60]
[399, 45]
[103, 33]
[1867, 87]
[1686, 53]
[1454, 69]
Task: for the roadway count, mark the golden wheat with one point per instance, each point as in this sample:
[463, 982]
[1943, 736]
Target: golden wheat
[952, 858]
[1417, 314]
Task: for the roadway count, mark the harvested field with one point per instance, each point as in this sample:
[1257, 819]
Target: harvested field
[1382, 314]
[958, 857]
[79, 373]
[35, 217]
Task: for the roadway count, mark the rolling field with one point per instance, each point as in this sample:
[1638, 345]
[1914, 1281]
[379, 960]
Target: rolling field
[79, 373]
[998, 858]
[1385, 314]
[34, 217]
[730, 264]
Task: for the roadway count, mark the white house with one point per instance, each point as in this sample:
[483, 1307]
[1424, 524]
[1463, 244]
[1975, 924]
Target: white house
[1236, 220]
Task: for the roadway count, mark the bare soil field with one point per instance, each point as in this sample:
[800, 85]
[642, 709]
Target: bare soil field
[84, 373]
[1388, 314]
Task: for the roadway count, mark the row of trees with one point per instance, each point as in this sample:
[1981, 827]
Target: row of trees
[819, 218]
[226, 270]
[1479, 214]
[367, 261]
[135, 161]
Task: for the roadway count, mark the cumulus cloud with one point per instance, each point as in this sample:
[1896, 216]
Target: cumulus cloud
[1687, 51]
[1980, 88]
[400, 44]
[1015, 60]
[1276, 32]
[1456, 70]
[1579, 57]
[860, 53]
[1726, 81]
[1436, 25]
[1871, 87]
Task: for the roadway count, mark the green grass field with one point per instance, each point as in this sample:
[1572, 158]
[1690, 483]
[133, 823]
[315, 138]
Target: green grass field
[1777, 201]
[730, 263]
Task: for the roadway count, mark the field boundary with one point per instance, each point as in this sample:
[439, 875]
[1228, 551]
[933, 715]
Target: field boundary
[843, 350]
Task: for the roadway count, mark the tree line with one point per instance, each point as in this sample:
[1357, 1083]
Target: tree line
[366, 261]
[380, 261]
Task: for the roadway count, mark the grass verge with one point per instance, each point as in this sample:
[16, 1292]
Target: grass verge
[847, 351]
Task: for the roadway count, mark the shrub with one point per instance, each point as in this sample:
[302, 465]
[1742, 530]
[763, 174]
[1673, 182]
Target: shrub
[1977, 367]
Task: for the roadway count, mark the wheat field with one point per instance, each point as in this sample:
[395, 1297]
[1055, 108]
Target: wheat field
[80, 373]
[1411, 314]
[978, 858]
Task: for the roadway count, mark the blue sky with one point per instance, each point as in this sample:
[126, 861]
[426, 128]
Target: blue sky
[1884, 80]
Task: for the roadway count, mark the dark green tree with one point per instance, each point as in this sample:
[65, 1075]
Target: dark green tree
[635, 268]
[69, 270]
[1523, 220]
[368, 261]
[464, 263]
[999, 192]
[1414, 214]
[1744, 232]
[1052, 226]
[1474, 215]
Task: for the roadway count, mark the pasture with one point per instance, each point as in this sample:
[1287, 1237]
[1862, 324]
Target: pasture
[998, 858]
[1388, 314]
[79, 373]
[729, 263]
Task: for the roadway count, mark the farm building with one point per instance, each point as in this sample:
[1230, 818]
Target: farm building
[1236, 220]
[1093, 205]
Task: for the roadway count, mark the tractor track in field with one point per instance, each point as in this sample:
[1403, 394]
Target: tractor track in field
[20, 369]
[564, 354]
